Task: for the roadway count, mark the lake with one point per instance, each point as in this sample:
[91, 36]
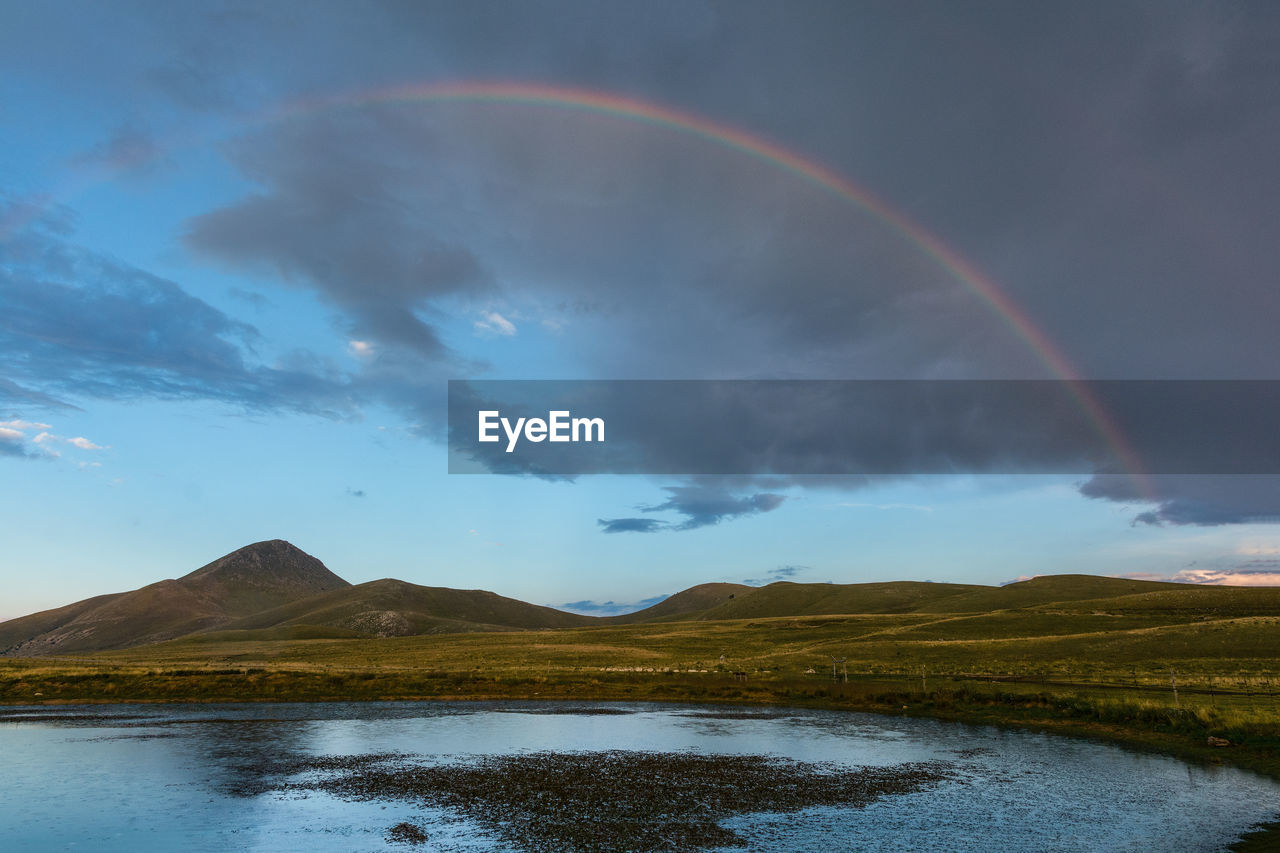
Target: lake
[243, 777]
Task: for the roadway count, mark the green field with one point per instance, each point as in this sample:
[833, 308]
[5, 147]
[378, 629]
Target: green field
[1062, 663]
[1103, 667]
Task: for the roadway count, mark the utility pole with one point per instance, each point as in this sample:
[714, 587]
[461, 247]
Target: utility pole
[843, 667]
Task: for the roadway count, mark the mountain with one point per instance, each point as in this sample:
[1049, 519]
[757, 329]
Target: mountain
[275, 591]
[392, 608]
[247, 581]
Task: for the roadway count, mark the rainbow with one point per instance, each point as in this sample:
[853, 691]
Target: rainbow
[827, 180]
[629, 109]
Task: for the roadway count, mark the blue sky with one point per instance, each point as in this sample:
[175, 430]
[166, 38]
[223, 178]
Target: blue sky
[224, 319]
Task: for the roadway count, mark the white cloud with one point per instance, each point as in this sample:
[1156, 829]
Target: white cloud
[14, 431]
[495, 324]
[1243, 575]
[360, 349]
[23, 425]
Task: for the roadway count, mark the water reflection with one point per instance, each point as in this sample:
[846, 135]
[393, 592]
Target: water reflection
[150, 778]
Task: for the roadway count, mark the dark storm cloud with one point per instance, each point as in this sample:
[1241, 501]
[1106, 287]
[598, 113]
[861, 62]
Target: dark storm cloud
[1206, 501]
[1095, 160]
[403, 217]
[78, 323]
[1109, 165]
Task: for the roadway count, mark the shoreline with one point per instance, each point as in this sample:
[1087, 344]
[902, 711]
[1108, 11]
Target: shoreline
[1177, 738]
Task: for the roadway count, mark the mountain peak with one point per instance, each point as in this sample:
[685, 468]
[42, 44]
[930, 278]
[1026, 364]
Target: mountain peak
[273, 564]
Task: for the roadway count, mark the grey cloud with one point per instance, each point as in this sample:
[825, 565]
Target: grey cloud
[1204, 501]
[1257, 567]
[73, 322]
[1107, 164]
[341, 211]
[777, 574]
[631, 525]
[14, 393]
[1101, 160]
[702, 506]
[1018, 135]
[401, 216]
[608, 608]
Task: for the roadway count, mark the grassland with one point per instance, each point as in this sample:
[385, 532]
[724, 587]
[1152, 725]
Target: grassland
[1104, 668]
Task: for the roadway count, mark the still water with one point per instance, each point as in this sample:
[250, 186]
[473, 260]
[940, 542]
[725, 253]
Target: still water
[162, 778]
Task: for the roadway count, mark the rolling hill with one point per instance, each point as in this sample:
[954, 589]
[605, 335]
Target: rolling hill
[393, 608]
[252, 579]
[269, 590]
[693, 601]
[274, 590]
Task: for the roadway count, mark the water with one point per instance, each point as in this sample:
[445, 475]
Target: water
[160, 778]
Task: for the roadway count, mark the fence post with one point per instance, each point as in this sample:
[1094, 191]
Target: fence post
[1173, 682]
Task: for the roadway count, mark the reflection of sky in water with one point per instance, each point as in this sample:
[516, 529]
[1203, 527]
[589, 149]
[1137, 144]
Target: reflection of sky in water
[156, 778]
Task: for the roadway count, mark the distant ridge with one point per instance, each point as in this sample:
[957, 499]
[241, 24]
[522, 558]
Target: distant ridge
[695, 599]
[275, 591]
[786, 598]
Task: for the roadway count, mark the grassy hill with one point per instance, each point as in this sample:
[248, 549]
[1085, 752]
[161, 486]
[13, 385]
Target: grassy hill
[393, 608]
[272, 591]
[687, 604]
[785, 598]
[1047, 590]
[253, 578]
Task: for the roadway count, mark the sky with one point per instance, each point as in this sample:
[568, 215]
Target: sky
[244, 247]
